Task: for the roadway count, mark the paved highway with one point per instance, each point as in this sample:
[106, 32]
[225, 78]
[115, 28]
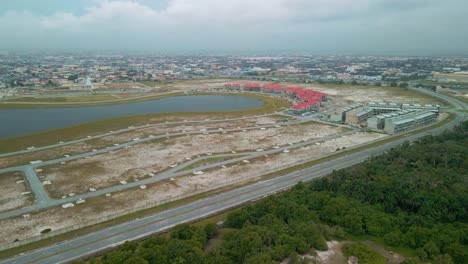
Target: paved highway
[113, 236]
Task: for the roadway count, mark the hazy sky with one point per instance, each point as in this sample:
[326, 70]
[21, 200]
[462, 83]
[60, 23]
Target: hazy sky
[317, 26]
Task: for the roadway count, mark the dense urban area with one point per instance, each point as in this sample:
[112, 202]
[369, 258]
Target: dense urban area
[22, 72]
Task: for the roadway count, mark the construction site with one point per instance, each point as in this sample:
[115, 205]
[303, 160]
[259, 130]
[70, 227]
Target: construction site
[54, 189]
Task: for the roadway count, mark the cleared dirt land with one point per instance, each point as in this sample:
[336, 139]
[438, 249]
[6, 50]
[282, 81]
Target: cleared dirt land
[12, 186]
[352, 93]
[137, 162]
[102, 206]
[128, 136]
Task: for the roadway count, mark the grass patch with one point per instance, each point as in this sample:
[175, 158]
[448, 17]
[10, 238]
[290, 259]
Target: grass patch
[206, 162]
[101, 126]
[45, 231]
[364, 253]
[70, 99]
[82, 102]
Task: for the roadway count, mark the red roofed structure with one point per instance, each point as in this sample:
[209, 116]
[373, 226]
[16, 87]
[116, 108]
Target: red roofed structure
[308, 98]
[252, 86]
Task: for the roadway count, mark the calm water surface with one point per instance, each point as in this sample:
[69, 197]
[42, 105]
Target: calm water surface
[20, 121]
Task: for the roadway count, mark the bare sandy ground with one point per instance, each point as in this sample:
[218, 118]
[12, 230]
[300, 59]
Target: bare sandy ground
[12, 185]
[98, 207]
[144, 132]
[377, 94]
[138, 161]
[46, 154]
[272, 163]
[127, 136]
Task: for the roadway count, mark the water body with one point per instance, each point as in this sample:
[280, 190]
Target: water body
[20, 121]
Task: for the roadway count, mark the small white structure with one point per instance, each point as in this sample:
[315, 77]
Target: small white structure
[151, 174]
[197, 172]
[80, 201]
[286, 151]
[88, 84]
[71, 194]
[123, 182]
[143, 187]
[246, 161]
[35, 161]
[46, 182]
[259, 150]
[68, 205]
[92, 189]
[108, 194]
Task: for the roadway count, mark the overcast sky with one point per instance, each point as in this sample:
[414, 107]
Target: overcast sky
[393, 27]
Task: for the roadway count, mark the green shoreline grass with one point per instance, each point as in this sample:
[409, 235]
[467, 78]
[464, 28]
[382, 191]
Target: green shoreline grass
[153, 210]
[46, 104]
[48, 137]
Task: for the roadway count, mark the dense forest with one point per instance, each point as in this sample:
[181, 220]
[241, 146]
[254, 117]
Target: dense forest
[413, 198]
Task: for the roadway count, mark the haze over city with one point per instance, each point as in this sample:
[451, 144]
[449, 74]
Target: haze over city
[378, 27]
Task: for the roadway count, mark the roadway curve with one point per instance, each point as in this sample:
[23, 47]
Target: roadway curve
[93, 243]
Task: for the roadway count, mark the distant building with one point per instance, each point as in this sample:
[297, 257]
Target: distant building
[406, 122]
[88, 84]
